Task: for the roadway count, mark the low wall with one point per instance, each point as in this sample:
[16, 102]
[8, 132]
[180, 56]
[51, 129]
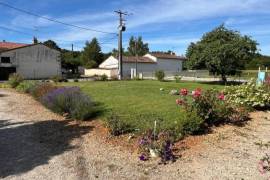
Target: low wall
[99, 72]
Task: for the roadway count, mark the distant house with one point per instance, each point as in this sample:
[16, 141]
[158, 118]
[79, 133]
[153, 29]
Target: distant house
[146, 65]
[32, 61]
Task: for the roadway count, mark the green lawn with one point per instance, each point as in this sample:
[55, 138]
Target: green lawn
[137, 100]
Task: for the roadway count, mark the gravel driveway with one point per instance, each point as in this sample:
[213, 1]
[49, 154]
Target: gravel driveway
[37, 144]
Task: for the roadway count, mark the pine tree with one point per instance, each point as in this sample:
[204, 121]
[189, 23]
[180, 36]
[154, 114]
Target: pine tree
[141, 48]
[92, 55]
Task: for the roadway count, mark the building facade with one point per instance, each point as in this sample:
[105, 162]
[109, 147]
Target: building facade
[32, 61]
[146, 65]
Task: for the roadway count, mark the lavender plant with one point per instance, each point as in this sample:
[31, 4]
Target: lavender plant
[70, 100]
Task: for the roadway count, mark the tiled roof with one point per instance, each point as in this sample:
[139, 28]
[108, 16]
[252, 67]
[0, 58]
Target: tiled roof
[10, 45]
[140, 59]
[167, 56]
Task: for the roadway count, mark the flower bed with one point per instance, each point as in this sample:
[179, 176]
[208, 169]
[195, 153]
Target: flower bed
[68, 101]
[250, 95]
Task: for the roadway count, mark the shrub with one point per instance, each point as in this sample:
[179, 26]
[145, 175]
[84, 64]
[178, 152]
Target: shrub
[104, 77]
[160, 75]
[70, 100]
[116, 125]
[41, 89]
[249, 94]
[177, 78]
[26, 86]
[57, 79]
[114, 78]
[15, 79]
[192, 123]
[4, 85]
[267, 83]
[211, 107]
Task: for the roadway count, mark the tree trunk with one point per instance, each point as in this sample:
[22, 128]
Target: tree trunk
[224, 78]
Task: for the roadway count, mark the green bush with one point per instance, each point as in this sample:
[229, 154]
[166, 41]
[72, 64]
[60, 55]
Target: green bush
[249, 95]
[4, 85]
[192, 123]
[103, 77]
[26, 86]
[40, 89]
[15, 79]
[177, 78]
[117, 125]
[160, 75]
[57, 79]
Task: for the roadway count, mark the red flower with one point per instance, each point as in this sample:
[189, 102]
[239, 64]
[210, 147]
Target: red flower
[184, 92]
[179, 101]
[221, 96]
[197, 93]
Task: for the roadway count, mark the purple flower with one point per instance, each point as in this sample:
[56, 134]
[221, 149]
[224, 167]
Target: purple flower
[142, 157]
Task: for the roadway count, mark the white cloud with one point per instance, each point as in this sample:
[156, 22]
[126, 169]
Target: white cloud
[148, 15]
[182, 10]
[171, 40]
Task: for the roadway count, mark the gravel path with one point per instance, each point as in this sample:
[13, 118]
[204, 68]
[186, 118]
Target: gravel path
[37, 144]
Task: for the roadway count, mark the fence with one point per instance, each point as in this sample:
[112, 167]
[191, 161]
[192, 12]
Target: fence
[201, 75]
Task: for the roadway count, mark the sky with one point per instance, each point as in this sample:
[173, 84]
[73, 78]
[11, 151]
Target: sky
[163, 24]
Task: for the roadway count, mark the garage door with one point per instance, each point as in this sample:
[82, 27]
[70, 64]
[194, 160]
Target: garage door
[5, 72]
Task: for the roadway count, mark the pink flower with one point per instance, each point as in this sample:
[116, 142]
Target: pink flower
[197, 93]
[261, 167]
[221, 96]
[184, 92]
[179, 102]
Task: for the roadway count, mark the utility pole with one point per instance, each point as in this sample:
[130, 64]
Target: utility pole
[72, 50]
[137, 57]
[121, 29]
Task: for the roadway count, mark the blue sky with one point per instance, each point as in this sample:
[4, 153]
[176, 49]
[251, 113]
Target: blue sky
[164, 24]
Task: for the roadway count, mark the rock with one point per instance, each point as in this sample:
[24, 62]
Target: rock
[154, 153]
[174, 92]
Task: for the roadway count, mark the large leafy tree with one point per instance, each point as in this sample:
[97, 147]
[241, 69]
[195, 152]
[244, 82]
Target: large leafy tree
[221, 51]
[70, 60]
[91, 54]
[137, 46]
[52, 44]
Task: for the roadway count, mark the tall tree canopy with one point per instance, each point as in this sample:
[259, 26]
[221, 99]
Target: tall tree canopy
[35, 40]
[259, 61]
[91, 54]
[52, 44]
[70, 60]
[140, 48]
[221, 51]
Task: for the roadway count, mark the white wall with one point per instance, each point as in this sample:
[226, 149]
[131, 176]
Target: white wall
[110, 63]
[99, 72]
[141, 67]
[169, 65]
[35, 62]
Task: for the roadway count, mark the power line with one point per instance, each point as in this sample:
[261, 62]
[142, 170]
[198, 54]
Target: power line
[106, 41]
[53, 20]
[16, 31]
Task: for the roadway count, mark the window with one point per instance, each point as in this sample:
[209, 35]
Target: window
[5, 59]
